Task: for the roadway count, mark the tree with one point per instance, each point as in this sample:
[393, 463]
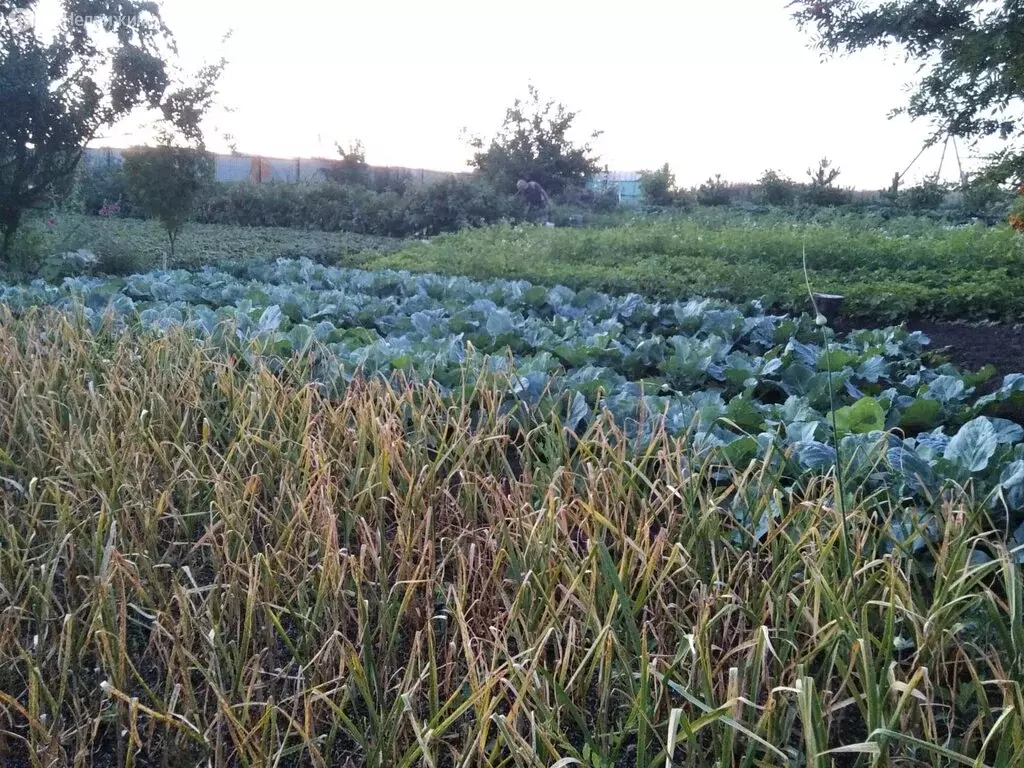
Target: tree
[775, 189]
[105, 59]
[970, 52]
[352, 168]
[533, 144]
[658, 187]
[822, 189]
[715, 191]
[164, 182]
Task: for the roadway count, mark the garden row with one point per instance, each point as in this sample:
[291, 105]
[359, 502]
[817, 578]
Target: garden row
[887, 270]
[740, 383]
[205, 562]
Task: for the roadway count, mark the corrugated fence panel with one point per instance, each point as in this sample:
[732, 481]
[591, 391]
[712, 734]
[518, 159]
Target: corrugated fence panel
[626, 183]
[259, 170]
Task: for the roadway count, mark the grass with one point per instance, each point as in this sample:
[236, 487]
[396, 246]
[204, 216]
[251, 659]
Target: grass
[205, 561]
[886, 270]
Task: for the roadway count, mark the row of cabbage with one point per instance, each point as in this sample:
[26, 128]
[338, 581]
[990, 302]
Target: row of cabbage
[741, 383]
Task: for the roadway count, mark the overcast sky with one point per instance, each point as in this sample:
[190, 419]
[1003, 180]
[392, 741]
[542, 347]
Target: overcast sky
[710, 86]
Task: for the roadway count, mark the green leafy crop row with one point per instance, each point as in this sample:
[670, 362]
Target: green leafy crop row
[886, 270]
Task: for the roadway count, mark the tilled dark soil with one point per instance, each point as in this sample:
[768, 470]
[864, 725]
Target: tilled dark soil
[970, 347]
[973, 346]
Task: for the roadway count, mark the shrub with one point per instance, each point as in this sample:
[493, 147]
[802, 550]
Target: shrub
[457, 203]
[395, 180]
[775, 189]
[658, 187]
[352, 168]
[601, 197]
[116, 259]
[28, 250]
[714, 192]
[96, 186]
[926, 196]
[315, 205]
[445, 206]
[822, 190]
[984, 199]
[605, 200]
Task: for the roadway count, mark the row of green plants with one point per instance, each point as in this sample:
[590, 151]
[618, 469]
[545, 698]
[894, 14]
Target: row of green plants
[743, 384]
[207, 561]
[887, 270]
[445, 206]
[974, 199]
[66, 245]
[328, 205]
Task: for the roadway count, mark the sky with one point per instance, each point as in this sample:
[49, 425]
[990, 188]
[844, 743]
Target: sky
[726, 87]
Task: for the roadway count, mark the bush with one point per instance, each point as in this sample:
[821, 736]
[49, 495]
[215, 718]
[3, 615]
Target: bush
[445, 206]
[985, 200]
[29, 251]
[115, 259]
[658, 187]
[714, 192]
[457, 203]
[775, 189]
[602, 197]
[926, 196]
[394, 180]
[96, 186]
[605, 200]
[822, 190]
[828, 197]
[352, 168]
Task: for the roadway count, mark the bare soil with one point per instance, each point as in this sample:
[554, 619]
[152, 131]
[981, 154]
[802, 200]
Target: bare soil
[970, 347]
[974, 346]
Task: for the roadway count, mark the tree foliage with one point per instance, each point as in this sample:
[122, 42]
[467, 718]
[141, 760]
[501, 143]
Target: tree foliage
[970, 52]
[774, 188]
[352, 167]
[714, 192]
[104, 60]
[533, 144]
[658, 187]
[164, 182]
[821, 189]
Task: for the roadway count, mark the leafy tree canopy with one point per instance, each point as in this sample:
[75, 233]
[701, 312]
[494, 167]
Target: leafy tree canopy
[165, 181]
[352, 168]
[971, 56]
[102, 60]
[533, 144]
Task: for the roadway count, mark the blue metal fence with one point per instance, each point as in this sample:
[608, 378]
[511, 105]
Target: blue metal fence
[258, 170]
[625, 183]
